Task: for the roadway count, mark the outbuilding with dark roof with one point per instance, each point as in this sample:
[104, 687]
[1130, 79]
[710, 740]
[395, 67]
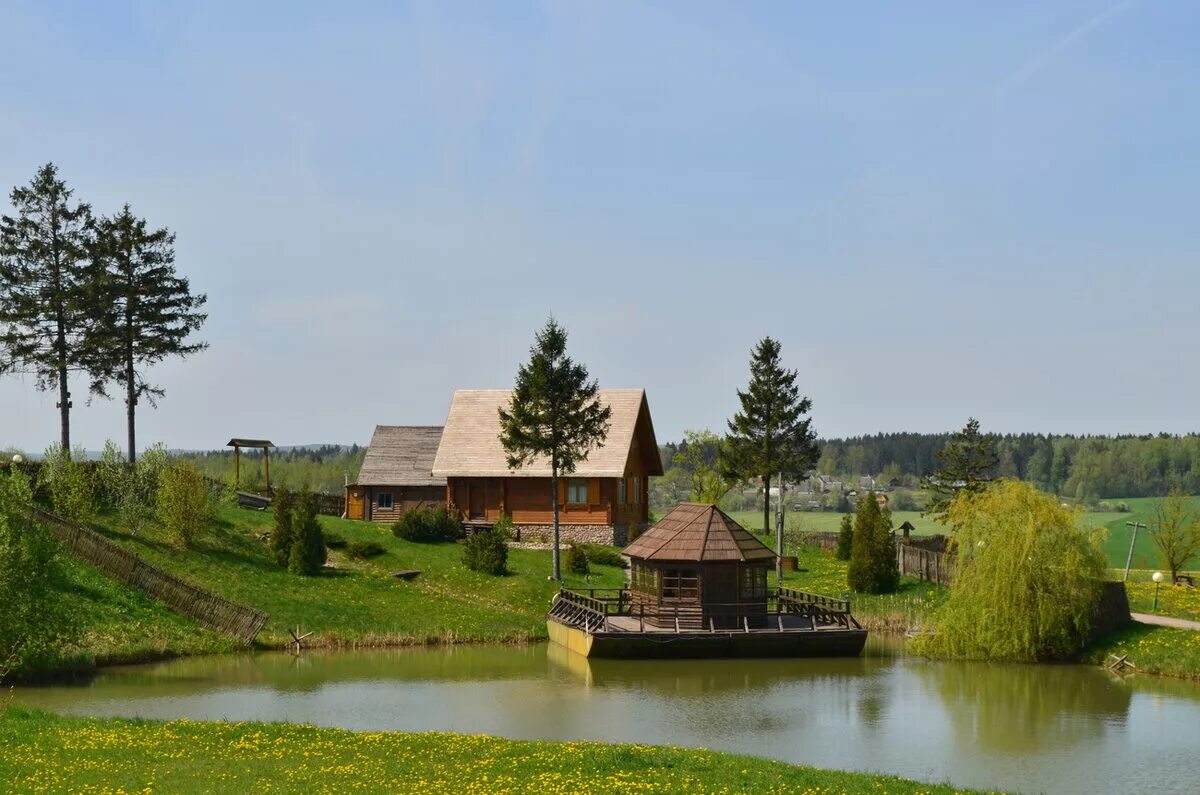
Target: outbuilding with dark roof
[397, 474]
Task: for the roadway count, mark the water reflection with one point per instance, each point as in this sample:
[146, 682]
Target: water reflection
[1037, 728]
[1026, 708]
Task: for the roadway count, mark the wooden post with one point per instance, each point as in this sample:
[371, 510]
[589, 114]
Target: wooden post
[267, 468]
[237, 467]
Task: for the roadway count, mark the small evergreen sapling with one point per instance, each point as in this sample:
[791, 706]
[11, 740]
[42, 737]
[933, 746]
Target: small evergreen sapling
[308, 552]
[845, 538]
[873, 567]
[281, 530]
[577, 560]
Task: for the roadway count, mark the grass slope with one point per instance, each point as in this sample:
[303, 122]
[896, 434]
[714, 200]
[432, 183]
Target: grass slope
[1153, 649]
[45, 753]
[358, 603]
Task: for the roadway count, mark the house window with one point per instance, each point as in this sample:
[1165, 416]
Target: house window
[384, 501]
[637, 490]
[577, 491]
[622, 493]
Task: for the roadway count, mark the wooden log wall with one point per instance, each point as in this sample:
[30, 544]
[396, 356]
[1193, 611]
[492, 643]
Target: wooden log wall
[206, 608]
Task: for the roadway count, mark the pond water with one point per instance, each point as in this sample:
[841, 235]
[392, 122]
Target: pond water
[1059, 729]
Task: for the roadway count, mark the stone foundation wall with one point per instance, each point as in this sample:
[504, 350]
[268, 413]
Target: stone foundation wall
[610, 535]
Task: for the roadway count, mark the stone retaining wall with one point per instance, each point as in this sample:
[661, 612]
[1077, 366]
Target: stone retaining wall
[610, 535]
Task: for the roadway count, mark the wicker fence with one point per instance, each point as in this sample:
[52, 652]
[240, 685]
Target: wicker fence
[925, 564]
[204, 607]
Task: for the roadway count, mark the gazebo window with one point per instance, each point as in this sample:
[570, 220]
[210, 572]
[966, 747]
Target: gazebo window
[754, 583]
[680, 584]
[645, 579]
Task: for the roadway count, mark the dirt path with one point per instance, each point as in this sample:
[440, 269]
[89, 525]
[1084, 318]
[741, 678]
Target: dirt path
[1166, 621]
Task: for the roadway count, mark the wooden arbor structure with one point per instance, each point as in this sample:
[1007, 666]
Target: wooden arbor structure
[264, 445]
[697, 568]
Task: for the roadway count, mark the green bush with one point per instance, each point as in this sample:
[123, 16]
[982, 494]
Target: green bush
[70, 483]
[845, 538]
[35, 621]
[365, 549]
[184, 501]
[334, 541]
[130, 489]
[307, 554]
[577, 560]
[428, 525]
[873, 566]
[605, 556]
[487, 552]
[504, 526]
[282, 505]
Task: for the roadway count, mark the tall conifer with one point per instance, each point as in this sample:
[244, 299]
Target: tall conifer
[47, 287]
[967, 464]
[555, 415]
[771, 434]
[146, 313]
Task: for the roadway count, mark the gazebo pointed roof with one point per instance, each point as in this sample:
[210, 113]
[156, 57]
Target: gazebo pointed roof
[695, 533]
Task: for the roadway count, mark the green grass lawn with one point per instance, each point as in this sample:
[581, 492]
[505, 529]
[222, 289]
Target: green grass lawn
[830, 521]
[46, 753]
[357, 602]
[1156, 650]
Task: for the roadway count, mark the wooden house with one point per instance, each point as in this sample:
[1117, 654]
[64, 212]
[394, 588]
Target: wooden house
[397, 474]
[603, 501]
[697, 568]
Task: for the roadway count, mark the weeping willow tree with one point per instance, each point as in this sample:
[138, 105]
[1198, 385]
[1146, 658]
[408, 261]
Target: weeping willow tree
[1027, 582]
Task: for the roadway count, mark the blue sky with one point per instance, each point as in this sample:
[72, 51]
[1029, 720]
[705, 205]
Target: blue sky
[940, 209]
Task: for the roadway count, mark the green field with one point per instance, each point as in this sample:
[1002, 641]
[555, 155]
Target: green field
[46, 753]
[830, 521]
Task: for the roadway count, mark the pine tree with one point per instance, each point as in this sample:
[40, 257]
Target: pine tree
[771, 434]
[968, 465]
[555, 415]
[47, 287]
[873, 567]
[148, 311]
[307, 554]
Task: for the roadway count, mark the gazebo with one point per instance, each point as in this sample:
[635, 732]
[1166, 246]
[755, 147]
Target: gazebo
[697, 568]
[237, 445]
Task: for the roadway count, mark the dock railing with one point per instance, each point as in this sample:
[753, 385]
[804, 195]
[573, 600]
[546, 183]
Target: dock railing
[591, 609]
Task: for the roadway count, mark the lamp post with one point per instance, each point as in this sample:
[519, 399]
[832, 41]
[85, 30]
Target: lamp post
[1158, 578]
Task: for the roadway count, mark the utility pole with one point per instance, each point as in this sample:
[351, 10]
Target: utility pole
[779, 535]
[1132, 541]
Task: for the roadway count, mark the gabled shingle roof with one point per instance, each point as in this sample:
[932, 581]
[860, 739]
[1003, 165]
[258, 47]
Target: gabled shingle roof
[401, 455]
[471, 447]
[692, 533]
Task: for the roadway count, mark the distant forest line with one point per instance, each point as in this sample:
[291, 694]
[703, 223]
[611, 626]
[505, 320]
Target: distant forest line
[1087, 468]
[1083, 467]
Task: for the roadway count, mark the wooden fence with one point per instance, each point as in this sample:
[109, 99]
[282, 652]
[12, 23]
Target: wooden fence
[925, 564]
[206, 608]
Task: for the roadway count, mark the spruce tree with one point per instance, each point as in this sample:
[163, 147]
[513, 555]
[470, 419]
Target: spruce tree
[555, 415]
[967, 465]
[771, 434]
[307, 554]
[47, 288]
[873, 567]
[147, 310]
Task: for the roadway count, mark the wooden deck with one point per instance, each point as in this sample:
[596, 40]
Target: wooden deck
[797, 624]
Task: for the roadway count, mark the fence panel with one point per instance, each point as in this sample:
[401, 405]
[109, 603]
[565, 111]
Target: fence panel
[215, 612]
[925, 564]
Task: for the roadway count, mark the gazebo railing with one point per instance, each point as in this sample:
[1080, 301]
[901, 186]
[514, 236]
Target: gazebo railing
[591, 608]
